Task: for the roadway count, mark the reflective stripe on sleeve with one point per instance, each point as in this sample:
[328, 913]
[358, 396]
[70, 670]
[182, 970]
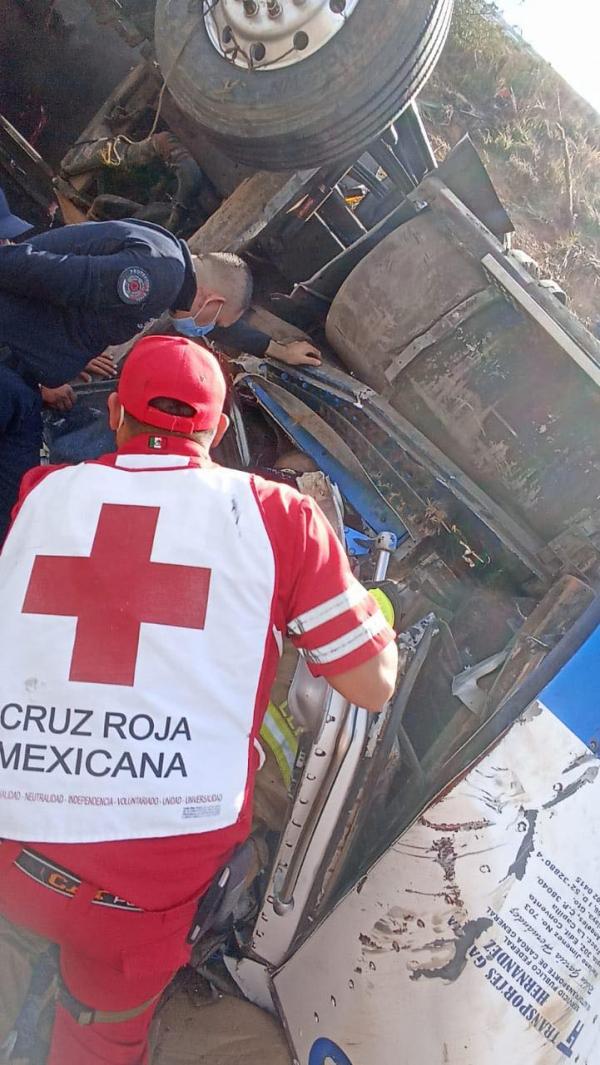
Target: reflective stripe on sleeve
[332, 608]
[348, 643]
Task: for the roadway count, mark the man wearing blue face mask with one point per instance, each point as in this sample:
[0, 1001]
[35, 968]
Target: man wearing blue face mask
[223, 293]
[68, 294]
[218, 296]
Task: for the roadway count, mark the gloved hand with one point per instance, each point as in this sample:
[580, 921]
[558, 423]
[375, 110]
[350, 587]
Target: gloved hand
[295, 352]
[389, 600]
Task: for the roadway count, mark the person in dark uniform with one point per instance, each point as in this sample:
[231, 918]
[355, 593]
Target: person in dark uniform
[11, 225]
[68, 294]
[19, 406]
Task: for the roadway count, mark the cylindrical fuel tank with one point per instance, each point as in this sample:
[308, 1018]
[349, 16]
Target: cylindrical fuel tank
[496, 388]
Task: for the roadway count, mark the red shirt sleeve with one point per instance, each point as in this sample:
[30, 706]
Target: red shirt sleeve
[330, 617]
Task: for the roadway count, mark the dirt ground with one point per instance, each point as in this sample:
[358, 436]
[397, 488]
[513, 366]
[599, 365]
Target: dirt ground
[194, 1028]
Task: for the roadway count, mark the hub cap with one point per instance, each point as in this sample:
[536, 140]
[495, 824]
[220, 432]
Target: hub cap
[270, 34]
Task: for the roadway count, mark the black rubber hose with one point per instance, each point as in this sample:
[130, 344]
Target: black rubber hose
[189, 182]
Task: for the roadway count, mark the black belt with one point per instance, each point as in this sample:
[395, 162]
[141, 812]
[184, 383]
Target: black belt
[64, 883]
[17, 365]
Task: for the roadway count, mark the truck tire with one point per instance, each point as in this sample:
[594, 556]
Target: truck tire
[318, 110]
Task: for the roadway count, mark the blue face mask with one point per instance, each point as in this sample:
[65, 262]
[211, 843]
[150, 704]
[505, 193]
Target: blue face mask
[188, 327]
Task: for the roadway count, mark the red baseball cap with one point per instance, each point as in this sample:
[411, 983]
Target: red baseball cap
[175, 368]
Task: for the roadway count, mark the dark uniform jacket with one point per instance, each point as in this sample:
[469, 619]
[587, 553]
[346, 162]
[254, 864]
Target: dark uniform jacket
[67, 294]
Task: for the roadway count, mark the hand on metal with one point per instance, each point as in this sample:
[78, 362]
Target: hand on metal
[295, 352]
[102, 365]
[61, 399]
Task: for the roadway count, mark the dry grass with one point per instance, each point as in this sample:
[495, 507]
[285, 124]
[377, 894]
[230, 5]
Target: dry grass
[540, 140]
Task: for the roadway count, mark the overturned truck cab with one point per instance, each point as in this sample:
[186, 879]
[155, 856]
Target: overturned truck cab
[455, 911]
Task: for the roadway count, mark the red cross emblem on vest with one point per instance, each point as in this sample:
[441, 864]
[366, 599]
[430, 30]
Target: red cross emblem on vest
[113, 591]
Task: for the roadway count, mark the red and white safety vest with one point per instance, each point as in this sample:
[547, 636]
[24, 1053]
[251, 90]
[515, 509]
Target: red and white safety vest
[141, 602]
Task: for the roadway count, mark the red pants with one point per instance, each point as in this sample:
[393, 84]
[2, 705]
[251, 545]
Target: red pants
[110, 960]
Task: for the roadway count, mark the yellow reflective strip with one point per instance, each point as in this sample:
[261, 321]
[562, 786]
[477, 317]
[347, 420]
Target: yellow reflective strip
[281, 741]
[283, 721]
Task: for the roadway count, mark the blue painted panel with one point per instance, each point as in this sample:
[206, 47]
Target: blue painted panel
[573, 695]
[368, 503]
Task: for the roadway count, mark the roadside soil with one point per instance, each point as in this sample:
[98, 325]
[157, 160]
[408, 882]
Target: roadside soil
[195, 1028]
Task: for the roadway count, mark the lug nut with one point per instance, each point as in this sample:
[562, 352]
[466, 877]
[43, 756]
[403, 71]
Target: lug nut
[274, 8]
[250, 8]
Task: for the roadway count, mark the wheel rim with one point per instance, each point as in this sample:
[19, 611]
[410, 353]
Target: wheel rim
[271, 34]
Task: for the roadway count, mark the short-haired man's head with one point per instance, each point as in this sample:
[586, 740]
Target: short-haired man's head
[222, 279]
[167, 405]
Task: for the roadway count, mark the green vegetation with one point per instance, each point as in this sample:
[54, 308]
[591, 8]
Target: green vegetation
[540, 140]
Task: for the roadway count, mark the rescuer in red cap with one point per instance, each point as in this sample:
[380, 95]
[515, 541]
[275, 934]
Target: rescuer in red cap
[139, 639]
